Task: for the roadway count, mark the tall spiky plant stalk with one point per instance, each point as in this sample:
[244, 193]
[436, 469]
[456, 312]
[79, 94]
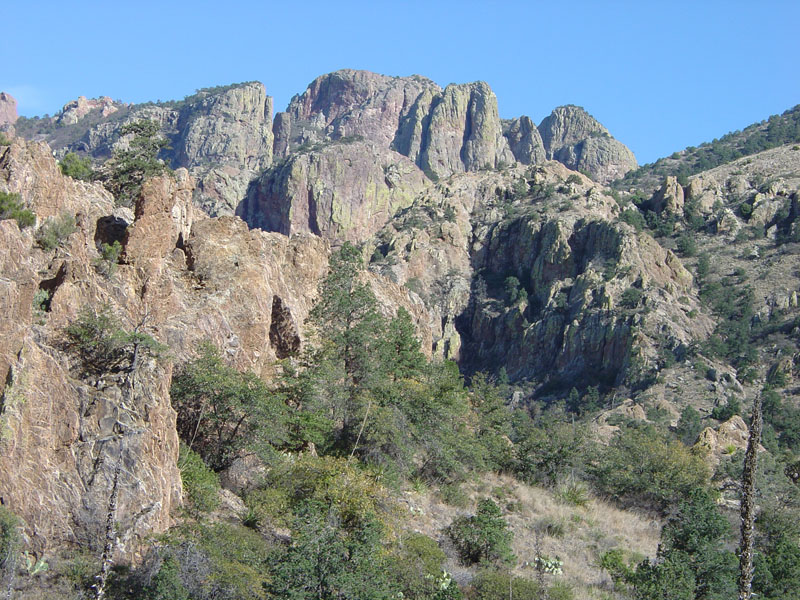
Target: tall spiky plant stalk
[748, 503]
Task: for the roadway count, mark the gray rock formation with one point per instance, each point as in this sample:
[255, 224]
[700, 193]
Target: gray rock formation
[342, 191]
[443, 131]
[74, 111]
[525, 141]
[8, 109]
[669, 198]
[455, 131]
[574, 138]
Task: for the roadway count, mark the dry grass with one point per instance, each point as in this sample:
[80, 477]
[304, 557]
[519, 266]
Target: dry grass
[576, 534]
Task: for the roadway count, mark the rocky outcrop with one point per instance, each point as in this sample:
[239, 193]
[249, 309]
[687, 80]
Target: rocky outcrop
[454, 131]
[577, 140]
[730, 436]
[443, 131]
[343, 191]
[8, 109]
[669, 198]
[525, 141]
[74, 111]
[348, 103]
[225, 139]
[571, 319]
[64, 434]
[222, 136]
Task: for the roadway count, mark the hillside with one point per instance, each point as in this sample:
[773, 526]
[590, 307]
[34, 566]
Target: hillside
[385, 344]
[775, 131]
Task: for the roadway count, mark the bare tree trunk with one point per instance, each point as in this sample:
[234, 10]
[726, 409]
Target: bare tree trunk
[748, 503]
[108, 549]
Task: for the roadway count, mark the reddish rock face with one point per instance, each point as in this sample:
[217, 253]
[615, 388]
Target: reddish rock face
[183, 278]
[8, 109]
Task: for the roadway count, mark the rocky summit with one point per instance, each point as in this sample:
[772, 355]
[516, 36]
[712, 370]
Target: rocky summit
[442, 352]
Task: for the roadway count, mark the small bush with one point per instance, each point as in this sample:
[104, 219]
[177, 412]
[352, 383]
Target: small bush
[200, 484]
[41, 302]
[55, 230]
[416, 566]
[641, 465]
[76, 167]
[574, 178]
[268, 505]
[492, 584]
[4, 139]
[723, 413]
[9, 542]
[102, 345]
[687, 246]
[631, 297]
[483, 536]
[634, 218]
[11, 208]
[575, 493]
[109, 256]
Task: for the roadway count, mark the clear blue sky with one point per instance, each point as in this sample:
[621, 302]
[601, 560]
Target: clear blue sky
[660, 75]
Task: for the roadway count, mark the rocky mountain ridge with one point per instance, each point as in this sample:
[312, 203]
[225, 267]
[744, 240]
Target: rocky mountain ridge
[508, 260]
[226, 136]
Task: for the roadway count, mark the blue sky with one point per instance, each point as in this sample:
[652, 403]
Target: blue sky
[659, 75]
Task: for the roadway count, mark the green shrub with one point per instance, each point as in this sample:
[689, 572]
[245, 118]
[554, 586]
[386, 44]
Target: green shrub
[10, 541]
[329, 558]
[633, 217]
[11, 208]
[328, 481]
[200, 484]
[631, 297]
[575, 493]
[102, 345]
[561, 590]
[41, 302]
[167, 584]
[511, 287]
[55, 230]
[483, 536]
[689, 426]
[723, 413]
[415, 564]
[613, 562]
[220, 561]
[687, 246]
[692, 561]
[574, 178]
[76, 167]
[4, 139]
[545, 451]
[642, 466]
[222, 411]
[492, 584]
[268, 506]
[109, 257]
[129, 168]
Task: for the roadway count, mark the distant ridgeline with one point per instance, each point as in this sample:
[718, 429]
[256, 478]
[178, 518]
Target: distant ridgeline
[775, 131]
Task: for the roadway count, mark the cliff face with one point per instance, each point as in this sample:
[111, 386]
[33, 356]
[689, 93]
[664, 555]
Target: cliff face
[572, 262]
[223, 136]
[182, 278]
[574, 138]
[344, 191]
[350, 103]
[64, 434]
[8, 109]
[227, 139]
